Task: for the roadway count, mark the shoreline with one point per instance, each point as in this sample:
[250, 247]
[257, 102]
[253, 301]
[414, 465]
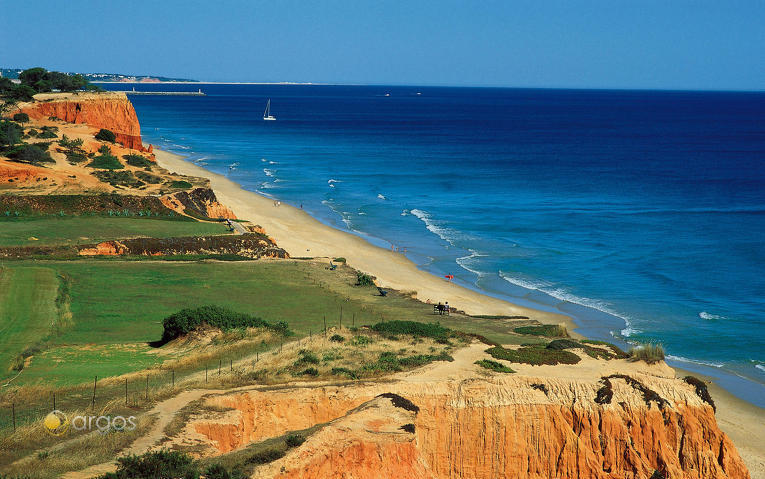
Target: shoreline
[303, 235]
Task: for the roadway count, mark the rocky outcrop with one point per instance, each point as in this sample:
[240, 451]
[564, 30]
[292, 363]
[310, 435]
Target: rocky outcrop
[112, 111]
[198, 203]
[247, 245]
[483, 428]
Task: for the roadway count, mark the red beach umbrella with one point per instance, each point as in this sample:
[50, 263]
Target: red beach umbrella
[449, 277]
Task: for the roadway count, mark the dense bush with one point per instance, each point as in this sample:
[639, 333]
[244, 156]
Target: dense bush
[106, 135]
[148, 178]
[180, 184]
[138, 160]
[161, 464]
[48, 132]
[65, 142]
[363, 279]
[187, 320]
[216, 471]
[337, 338]
[32, 154]
[413, 328]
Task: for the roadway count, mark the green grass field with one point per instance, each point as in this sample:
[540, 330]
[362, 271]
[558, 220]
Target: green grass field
[27, 310]
[52, 231]
[117, 308]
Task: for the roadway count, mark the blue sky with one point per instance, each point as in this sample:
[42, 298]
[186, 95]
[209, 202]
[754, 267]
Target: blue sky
[672, 44]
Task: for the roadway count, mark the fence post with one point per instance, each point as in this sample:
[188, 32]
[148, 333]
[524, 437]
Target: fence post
[126, 393]
[220, 361]
[231, 364]
[173, 377]
[325, 326]
[93, 402]
[205, 373]
[54, 400]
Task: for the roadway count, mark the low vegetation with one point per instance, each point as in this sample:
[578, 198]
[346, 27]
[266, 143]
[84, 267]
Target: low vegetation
[701, 390]
[138, 160]
[547, 330]
[363, 279]
[494, 366]
[413, 328]
[534, 355]
[191, 319]
[180, 184]
[650, 353]
[119, 178]
[105, 161]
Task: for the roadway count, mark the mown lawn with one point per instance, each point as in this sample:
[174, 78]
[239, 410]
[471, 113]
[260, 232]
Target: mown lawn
[118, 306]
[54, 231]
[27, 310]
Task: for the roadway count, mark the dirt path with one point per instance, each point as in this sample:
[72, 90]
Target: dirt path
[165, 412]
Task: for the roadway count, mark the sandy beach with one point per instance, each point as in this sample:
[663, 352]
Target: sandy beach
[302, 235]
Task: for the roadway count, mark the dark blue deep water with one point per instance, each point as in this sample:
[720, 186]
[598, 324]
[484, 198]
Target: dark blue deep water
[639, 213]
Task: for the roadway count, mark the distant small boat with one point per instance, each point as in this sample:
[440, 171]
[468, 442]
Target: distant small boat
[267, 114]
[387, 94]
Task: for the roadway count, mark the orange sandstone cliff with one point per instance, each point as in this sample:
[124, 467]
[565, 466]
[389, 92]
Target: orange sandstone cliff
[500, 426]
[111, 110]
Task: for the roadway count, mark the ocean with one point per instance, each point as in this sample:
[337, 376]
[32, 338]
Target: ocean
[641, 214]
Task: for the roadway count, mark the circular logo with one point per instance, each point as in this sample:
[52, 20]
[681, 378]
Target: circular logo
[56, 423]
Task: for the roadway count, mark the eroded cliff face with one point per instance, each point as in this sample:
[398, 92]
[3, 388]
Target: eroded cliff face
[481, 428]
[112, 111]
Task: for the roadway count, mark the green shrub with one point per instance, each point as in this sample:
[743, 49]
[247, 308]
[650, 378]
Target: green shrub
[534, 355]
[264, 457]
[217, 471]
[138, 160]
[363, 279]
[337, 338]
[21, 118]
[345, 372]
[180, 184]
[148, 178]
[650, 353]
[118, 178]
[32, 154]
[10, 133]
[48, 132]
[339, 260]
[161, 464]
[306, 357]
[494, 366]
[65, 142]
[310, 372]
[75, 157]
[294, 440]
[413, 328]
[187, 320]
[361, 340]
[105, 161]
[106, 135]
[547, 330]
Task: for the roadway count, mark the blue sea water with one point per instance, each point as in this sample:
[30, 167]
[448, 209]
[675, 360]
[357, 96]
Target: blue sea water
[639, 213]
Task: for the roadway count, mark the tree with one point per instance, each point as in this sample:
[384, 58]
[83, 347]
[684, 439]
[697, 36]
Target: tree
[10, 133]
[19, 93]
[21, 117]
[31, 76]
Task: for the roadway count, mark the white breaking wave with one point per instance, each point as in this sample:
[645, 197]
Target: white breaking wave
[381, 197]
[760, 367]
[263, 160]
[441, 232]
[563, 295]
[268, 172]
[710, 316]
[332, 180]
[465, 262]
[694, 361]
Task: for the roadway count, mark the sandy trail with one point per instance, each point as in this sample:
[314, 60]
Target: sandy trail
[165, 412]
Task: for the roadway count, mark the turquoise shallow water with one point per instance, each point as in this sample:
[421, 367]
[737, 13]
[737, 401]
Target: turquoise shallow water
[641, 214]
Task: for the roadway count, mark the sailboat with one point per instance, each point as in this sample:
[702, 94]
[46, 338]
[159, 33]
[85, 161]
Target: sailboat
[267, 114]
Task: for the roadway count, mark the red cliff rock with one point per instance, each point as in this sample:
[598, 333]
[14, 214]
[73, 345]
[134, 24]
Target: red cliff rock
[112, 111]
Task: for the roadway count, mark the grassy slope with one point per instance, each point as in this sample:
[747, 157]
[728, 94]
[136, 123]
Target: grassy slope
[79, 230]
[27, 309]
[118, 307]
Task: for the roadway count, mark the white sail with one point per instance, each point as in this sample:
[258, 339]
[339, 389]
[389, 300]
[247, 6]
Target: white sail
[267, 113]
